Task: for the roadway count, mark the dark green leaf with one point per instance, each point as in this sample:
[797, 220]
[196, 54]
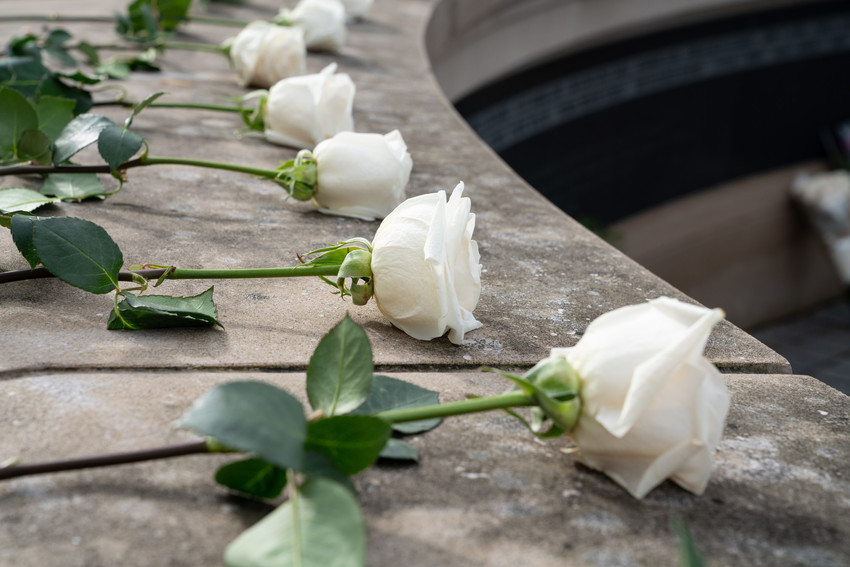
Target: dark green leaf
[139, 23]
[322, 526]
[172, 12]
[351, 442]
[389, 394]
[141, 106]
[16, 116]
[116, 145]
[25, 75]
[90, 52]
[32, 79]
[54, 113]
[339, 375]
[144, 61]
[34, 145]
[398, 450]
[82, 78]
[253, 476]
[253, 417]
[79, 133]
[24, 46]
[316, 464]
[73, 186]
[21, 226]
[163, 311]
[54, 46]
[78, 252]
[17, 199]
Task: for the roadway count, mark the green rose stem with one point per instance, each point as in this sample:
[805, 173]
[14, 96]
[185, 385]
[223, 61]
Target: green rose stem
[108, 19]
[190, 274]
[296, 188]
[477, 405]
[157, 44]
[192, 105]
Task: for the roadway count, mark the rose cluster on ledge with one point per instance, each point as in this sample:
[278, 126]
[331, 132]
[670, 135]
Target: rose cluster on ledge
[635, 395]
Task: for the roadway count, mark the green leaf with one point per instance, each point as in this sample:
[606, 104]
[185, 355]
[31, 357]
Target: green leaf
[399, 450]
[164, 311]
[321, 526]
[351, 442]
[141, 106]
[17, 199]
[25, 45]
[114, 69]
[389, 394]
[54, 46]
[54, 113]
[339, 375]
[139, 23]
[79, 133]
[21, 226]
[316, 464]
[82, 78]
[78, 252]
[144, 61]
[689, 553]
[90, 52]
[255, 477]
[116, 145]
[16, 117]
[73, 186]
[172, 12]
[253, 417]
[31, 78]
[34, 145]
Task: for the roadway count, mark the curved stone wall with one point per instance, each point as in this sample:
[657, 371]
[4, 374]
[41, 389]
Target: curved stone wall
[643, 103]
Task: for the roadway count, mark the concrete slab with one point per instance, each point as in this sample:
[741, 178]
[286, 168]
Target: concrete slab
[485, 493]
[546, 277]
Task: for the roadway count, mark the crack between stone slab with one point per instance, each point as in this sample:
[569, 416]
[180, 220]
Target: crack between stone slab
[379, 369]
[727, 368]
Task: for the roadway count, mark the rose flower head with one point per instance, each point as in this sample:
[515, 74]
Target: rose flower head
[361, 175]
[264, 53]
[323, 23]
[302, 111]
[652, 407]
[425, 266]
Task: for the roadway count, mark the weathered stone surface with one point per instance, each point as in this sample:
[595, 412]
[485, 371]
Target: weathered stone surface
[546, 277]
[485, 493]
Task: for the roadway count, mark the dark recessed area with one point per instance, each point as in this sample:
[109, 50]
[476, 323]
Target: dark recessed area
[612, 131]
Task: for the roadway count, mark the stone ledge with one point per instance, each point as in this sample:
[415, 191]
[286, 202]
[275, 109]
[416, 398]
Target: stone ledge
[486, 492]
[546, 277]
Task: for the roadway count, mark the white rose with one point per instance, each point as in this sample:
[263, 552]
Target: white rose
[302, 111]
[323, 22]
[652, 407]
[356, 8]
[264, 53]
[425, 268]
[361, 175]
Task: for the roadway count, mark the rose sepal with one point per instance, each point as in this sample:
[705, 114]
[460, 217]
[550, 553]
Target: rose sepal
[357, 268]
[553, 385]
[298, 176]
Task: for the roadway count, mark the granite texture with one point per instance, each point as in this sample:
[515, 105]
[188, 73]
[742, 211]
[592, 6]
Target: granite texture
[545, 277]
[486, 493]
